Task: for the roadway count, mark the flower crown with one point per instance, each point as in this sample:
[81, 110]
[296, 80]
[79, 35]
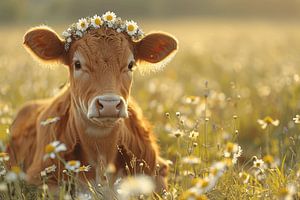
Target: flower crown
[109, 19]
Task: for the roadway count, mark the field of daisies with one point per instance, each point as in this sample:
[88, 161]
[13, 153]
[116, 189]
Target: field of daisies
[225, 112]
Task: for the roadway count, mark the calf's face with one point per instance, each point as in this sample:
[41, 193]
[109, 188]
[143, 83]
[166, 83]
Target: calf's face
[101, 64]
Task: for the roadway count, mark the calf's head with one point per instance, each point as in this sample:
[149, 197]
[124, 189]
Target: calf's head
[100, 64]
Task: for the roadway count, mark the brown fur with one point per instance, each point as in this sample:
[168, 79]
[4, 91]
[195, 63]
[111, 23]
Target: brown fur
[105, 53]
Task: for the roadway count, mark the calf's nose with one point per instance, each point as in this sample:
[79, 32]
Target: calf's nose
[107, 106]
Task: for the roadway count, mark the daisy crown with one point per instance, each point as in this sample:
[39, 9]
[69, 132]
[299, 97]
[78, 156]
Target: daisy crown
[109, 20]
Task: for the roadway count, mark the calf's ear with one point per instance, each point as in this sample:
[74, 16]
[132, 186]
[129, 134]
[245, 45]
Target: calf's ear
[155, 50]
[45, 44]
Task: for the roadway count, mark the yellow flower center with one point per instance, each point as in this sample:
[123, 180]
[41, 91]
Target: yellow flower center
[244, 176]
[72, 163]
[98, 21]
[49, 148]
[3, 154]
[204, 183]
[109, 17]
[82, 24]
[229, 146]
[130, 27]
[268, 120]
[214, 171]
[268, 159]
[283, 192]
[16, 169]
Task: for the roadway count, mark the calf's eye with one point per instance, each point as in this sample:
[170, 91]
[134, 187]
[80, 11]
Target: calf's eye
[77, 65]
[131, 66]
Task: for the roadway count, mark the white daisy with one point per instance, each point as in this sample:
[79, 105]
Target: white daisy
[194, 134]
[217, 169]
[4, 156]
[73, 165]
[83, 168]
[259, 163]
[297, 119]
[69, 40]
[135, 186]
[82, 24]
[287, 193]
[53, 148]
[15, 174]
[48, 170]
[131, 27]
[109, 17]
[191, 160]
[230, 149]
[96, 21]
[66, 34]
[264, 123]
[79, 33]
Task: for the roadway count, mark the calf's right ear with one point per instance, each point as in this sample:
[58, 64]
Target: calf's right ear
[45, 44]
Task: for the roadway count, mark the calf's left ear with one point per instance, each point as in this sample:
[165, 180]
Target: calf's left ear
[44, 44]
[156, 49]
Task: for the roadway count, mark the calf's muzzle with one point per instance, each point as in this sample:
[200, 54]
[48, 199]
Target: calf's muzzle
[107, 106]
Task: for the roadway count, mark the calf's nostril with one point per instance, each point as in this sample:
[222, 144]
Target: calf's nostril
[119, 106]
[100, 105]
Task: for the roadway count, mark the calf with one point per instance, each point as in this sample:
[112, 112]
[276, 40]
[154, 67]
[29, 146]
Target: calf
[97, 119]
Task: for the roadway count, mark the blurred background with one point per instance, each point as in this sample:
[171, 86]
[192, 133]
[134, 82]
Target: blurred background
[242, 55]
[42, 11]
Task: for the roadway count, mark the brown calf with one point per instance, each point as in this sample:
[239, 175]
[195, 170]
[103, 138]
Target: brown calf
[98, 120]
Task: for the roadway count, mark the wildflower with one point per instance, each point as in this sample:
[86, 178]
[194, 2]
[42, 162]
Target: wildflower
[203, 185]
[48, 170]
[66, 34]
[50, 120]
[217, 169]
[2, 170]
[194, 134]
[109, 17]
[72, 165]
[96, 21]
[233, 150]
[82, 24]
[244, 177]
[178, 114]
[4, 156]
[131, 27]
[53, 148]
[15, 174]
[192, 100]
[191, 160]
[297, 119]
[84, 168]
[188, 173]
[269, 161]
[135, 186]
[267, 121]
[178, 133]
[259, 163]
[259, 174]
[287, 193]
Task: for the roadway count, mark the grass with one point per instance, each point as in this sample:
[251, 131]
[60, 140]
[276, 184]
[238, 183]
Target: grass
[226, 76]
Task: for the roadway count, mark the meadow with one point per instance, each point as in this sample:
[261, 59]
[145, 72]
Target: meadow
[225, 110]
